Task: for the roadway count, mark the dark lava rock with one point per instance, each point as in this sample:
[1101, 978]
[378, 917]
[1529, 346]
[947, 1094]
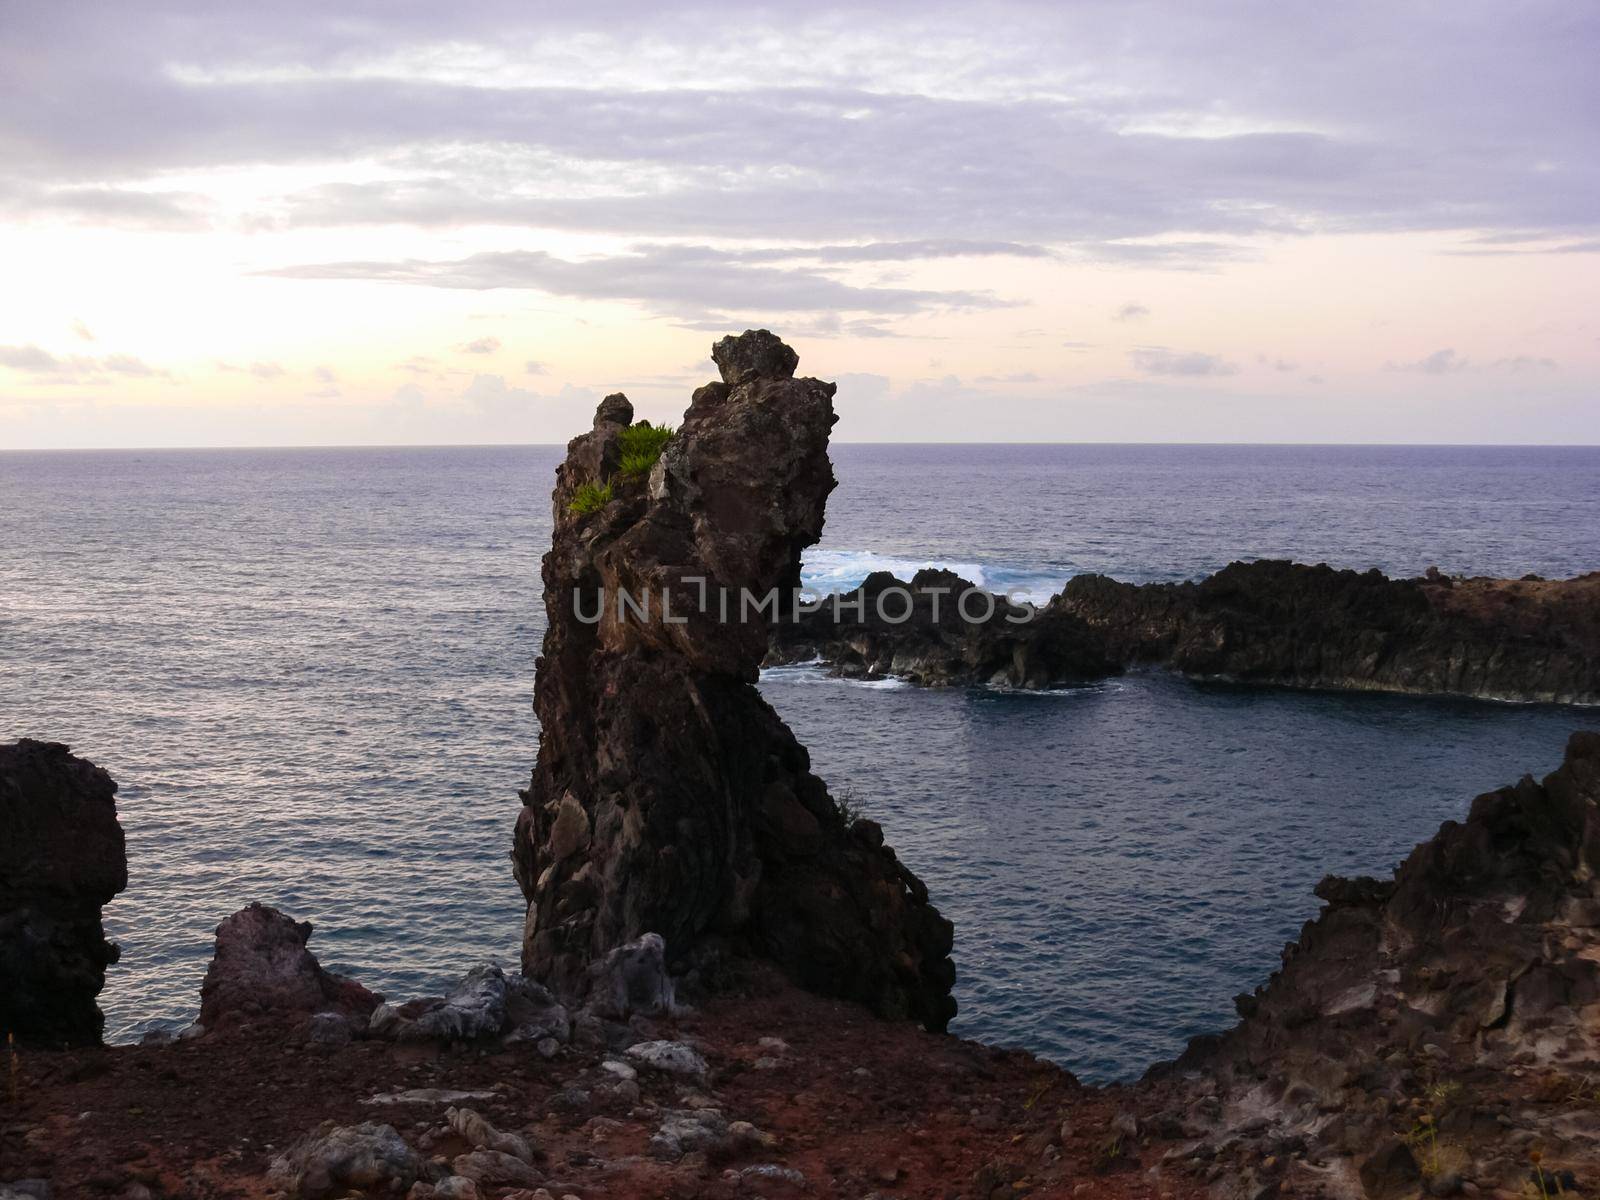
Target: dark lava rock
[1270, 622]
[261, 967]
[61, 858]
[668, 797]
[940, 629]
[754, 354]
[1312, 626]
[1483, 951]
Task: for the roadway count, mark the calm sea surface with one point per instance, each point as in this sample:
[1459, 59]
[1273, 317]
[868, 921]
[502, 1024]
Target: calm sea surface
[311, 671]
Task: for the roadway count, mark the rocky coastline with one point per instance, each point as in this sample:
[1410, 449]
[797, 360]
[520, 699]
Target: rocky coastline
[1267, 623]
[729, 988]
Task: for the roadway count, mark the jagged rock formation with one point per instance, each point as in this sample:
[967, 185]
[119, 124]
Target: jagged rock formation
[940, 629]
[1442, 1023]
[1285, 623]
[62, 857]
[668, 797]
[262, 967]
[1268, 622]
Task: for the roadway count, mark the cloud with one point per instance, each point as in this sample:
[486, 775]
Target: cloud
[483, 345]
[127, 364]
[82, 330]
[1277, 364]
[491, 393]
[1131, 312]
[29, 358]
[1103, 127]
[1440, 362]
[325, 375]
[695, 283]
[1017, 377]
[1524, 362]
[533, 367]
[1169, 255]
[266, 370]
[41, 364]
[1157, 360]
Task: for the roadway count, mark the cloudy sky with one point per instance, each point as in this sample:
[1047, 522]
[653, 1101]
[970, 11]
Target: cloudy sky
[321, 223]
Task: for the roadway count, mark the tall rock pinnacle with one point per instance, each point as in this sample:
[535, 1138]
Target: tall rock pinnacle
[668, 797]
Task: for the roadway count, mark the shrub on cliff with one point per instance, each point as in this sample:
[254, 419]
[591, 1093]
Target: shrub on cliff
[590, 497]
[641, 446]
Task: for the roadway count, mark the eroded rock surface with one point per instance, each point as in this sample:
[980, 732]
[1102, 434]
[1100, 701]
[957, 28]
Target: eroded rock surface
[62, 858]
[938, 629]
[262, 966]
[1304, 626]
[1444, 1024]
[668, 797]
[1269, 622]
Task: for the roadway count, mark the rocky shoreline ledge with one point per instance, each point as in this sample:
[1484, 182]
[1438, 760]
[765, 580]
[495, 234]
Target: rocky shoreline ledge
[1264, 623]
[723, 975]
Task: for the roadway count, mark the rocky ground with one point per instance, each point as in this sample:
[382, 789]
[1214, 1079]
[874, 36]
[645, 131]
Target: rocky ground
[801, 1096]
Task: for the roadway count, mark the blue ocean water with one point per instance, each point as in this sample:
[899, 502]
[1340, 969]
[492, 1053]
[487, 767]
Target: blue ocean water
[311, 672]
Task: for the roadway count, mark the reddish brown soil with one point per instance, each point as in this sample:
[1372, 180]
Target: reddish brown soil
[859, 1106]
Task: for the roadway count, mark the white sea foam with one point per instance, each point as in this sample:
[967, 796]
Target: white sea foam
[827, 571]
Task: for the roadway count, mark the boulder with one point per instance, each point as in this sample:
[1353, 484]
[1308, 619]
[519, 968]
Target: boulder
[486, 1002]
[489, 1168]
[62, 857]
[673, 1058]
[262, 967]
[335, 1159]
[476, 1130]
[632, 979]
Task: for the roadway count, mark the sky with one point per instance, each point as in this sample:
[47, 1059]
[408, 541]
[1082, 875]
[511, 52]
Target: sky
[315, 223]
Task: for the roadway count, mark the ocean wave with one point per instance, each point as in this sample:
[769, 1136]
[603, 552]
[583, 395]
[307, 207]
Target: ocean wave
[815, 671]
[826, 571]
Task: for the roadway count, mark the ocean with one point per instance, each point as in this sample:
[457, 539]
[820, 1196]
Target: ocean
[311, 672]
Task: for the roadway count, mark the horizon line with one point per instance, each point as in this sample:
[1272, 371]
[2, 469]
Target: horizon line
[169, 449]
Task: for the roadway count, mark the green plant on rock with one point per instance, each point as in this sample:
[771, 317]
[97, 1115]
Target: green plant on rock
[641, 446]
[590, 497]
[849, 806]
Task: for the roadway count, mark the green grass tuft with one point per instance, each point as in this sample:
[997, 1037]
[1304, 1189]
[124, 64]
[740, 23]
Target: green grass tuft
[641, 446]
[590, 497]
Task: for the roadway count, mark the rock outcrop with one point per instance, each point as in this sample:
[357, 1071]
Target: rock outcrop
[1442, 1023]
[1270, 622]
[668, 797]
[1303, 626]
[940, 629]
[262, 968]
[62, 858]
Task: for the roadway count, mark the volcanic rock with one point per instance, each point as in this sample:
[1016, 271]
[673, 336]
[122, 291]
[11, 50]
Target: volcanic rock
[62, 857]
[1312, 626]
[1410, 1006]
[701, 819]
[1269, 622]
[261, 966]
[940, 629]
[336, 1159]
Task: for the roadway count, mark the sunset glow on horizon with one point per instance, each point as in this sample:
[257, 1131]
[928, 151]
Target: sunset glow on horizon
[401, 224]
